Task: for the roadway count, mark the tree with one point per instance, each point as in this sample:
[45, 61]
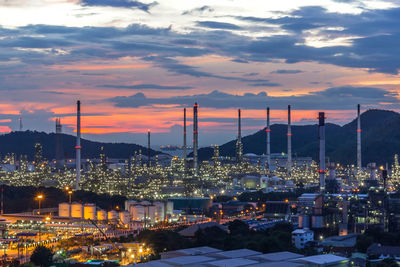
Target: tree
[42, 256]
[363, 242]
[238, 227]
[389, 262]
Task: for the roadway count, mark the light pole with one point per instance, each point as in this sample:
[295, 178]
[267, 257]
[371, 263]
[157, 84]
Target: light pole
[39, 198]
[70, 195]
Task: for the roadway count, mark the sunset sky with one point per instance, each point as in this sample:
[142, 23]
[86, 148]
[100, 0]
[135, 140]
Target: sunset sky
[136, 65]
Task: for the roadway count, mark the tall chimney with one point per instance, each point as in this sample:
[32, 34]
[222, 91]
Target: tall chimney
[239, 146]
[289, 144]
[268, 148]
[184, 141]
[358, 139]
[58, 144]
[20, 124]
[195, 140]
[78, 144]
[321, 129]
[148, 149]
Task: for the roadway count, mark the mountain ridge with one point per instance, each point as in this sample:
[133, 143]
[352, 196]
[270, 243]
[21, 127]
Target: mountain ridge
[380, 140]
[22, 143]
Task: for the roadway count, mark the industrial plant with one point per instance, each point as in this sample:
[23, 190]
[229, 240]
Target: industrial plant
[168, 192]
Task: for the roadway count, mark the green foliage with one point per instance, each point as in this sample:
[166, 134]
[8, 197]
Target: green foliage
[42, 256]
[238, 227]
[239, 236]
[363, 242]
[163, 240]
[389, 262]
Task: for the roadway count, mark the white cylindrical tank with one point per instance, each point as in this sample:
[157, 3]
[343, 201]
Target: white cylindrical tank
[317, 221]
[76, 210]
[304, 221]
[64, 210]
[89, 211]
[137, 212]
[101, 215]
[112, 216]
[129, 203]
[124, 217]
[160, 211]
[150, 213]
[170, 208]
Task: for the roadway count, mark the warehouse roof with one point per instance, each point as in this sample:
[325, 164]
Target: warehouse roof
[277, 256]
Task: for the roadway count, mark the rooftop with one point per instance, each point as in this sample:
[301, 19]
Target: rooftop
[232, 262]
[238, 253]
[321, 259]
[198, 250]
[187, 260]
[277, 256]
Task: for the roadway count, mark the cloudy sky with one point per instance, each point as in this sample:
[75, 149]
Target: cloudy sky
[136, 64]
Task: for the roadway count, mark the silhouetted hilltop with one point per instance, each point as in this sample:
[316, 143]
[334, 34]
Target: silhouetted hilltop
[380, 140]
[22, 143]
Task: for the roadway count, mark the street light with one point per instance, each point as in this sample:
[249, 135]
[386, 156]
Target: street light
[39, 198]
[70, 195]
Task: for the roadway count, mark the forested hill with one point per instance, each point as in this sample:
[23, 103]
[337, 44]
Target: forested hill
[23, 143]
[380, 140]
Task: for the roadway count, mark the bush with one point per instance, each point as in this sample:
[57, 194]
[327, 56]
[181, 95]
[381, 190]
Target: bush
[42, 256]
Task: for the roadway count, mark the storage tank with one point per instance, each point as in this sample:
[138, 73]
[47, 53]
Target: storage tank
[76, 210]
[170, 208]
[64, 210]
[137, 212]
[150, 213]
[160, 211]
[250, 182]
[101, 215]
[263, 181]
[129, 203]
[317, 221]
[89, 211]
[304, 221]
[112, 216]
[124, 217]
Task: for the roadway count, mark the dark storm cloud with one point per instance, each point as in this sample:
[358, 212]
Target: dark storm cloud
[327, 99]
[286, 71]
[218, 25]
[119, 3]
[147, 86]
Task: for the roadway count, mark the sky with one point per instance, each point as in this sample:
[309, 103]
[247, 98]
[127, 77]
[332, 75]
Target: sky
[135, 65]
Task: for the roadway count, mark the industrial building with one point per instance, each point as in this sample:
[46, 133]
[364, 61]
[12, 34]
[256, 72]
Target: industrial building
[207, 256]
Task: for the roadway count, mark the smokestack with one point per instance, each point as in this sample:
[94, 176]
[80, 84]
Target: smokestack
[239, 146]
[268, 148]
[20, 124]
[148, 149]
[78, 144]
[195, 140]
[289, 143]
[59, 150]
[358, 139]
[321, 129]
[184, 141]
